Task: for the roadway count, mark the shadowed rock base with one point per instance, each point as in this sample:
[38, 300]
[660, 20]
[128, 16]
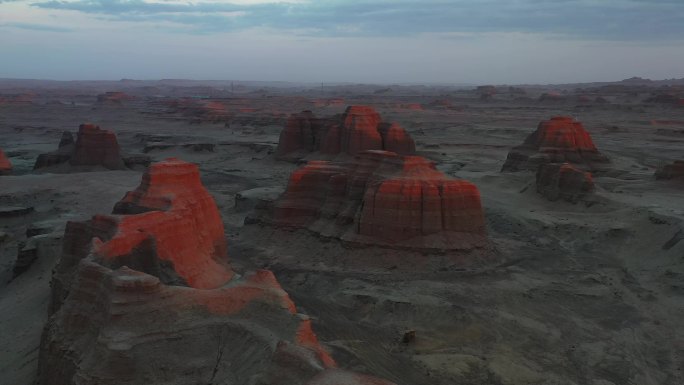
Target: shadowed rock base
[563, 181]
[5, 164]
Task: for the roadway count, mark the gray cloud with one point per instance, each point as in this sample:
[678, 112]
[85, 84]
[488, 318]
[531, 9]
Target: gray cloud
[586, 19]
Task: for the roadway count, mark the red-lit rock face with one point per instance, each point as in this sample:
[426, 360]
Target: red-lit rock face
[563, 181]
[95, 146]
[5, 165]
[177, 220]
[670, 171]
[386, 199]
[146, 296]
[359, 129]
[558, 140]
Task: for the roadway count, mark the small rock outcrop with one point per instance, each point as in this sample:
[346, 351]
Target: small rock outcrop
[359, 129]
[5, 164]
[93, 146]
[671, 171]
[558, 140]
[383, 199]
[113, 97]
[563, 181]
[147, 295]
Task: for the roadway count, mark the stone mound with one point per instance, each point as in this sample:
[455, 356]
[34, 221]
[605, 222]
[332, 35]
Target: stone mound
[5, 164]
[146, 295]
[563, 181]
[671, 171]
[360, 128]
[93, 146]
[385, 199]
[558, 140]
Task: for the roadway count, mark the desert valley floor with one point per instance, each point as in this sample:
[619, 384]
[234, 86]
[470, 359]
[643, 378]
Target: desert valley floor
[589, 292]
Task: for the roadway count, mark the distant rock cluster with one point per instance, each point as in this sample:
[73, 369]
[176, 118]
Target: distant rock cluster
[385, 199]
[558, 140]
[93, 146]
[359, 129]
[147, 295]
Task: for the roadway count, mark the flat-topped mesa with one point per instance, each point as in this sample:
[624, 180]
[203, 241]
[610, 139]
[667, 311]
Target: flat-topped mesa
[154, 277]
[93, 147]
[96, 147]
[384, 199]
[420, 201]
[359, 129]
[563, 181]
[558, 140]
[5, 164]
[671, 171]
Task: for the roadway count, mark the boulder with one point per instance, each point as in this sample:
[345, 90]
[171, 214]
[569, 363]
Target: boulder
[563, 181]
[558, 140]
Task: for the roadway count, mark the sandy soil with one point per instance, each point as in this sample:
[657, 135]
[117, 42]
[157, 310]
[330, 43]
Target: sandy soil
[590, 293]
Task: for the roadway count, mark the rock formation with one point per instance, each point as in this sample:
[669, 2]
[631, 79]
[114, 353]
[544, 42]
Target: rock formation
[93, 147]
[113, 97]
[5, 164]
[559, 140]
[359, 129]
[384, 199]
[563, 181]
[670, 171]
[147, 295]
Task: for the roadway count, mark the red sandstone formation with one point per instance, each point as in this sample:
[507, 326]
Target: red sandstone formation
[359, 129]
[386, 199]
[146, 295]
[561, 139]
[5, 164]
[563, 181]
[93, 147]
[670, 171]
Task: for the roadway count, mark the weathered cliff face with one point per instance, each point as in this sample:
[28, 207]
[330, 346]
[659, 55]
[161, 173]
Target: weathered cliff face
[561, 139]
[146, 295]
[384, 199]
[563, 181]
[5, 164]
[671, 171]
[359, 129]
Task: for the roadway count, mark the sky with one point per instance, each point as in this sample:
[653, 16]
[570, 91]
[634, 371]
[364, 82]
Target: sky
[365, 41]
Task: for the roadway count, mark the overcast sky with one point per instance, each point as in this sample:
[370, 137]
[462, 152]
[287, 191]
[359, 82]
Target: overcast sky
[378, 41]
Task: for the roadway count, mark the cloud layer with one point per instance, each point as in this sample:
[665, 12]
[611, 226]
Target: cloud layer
[586, 19]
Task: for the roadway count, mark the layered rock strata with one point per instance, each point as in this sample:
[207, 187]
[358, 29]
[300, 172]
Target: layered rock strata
[359, 129]
[385, 199]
